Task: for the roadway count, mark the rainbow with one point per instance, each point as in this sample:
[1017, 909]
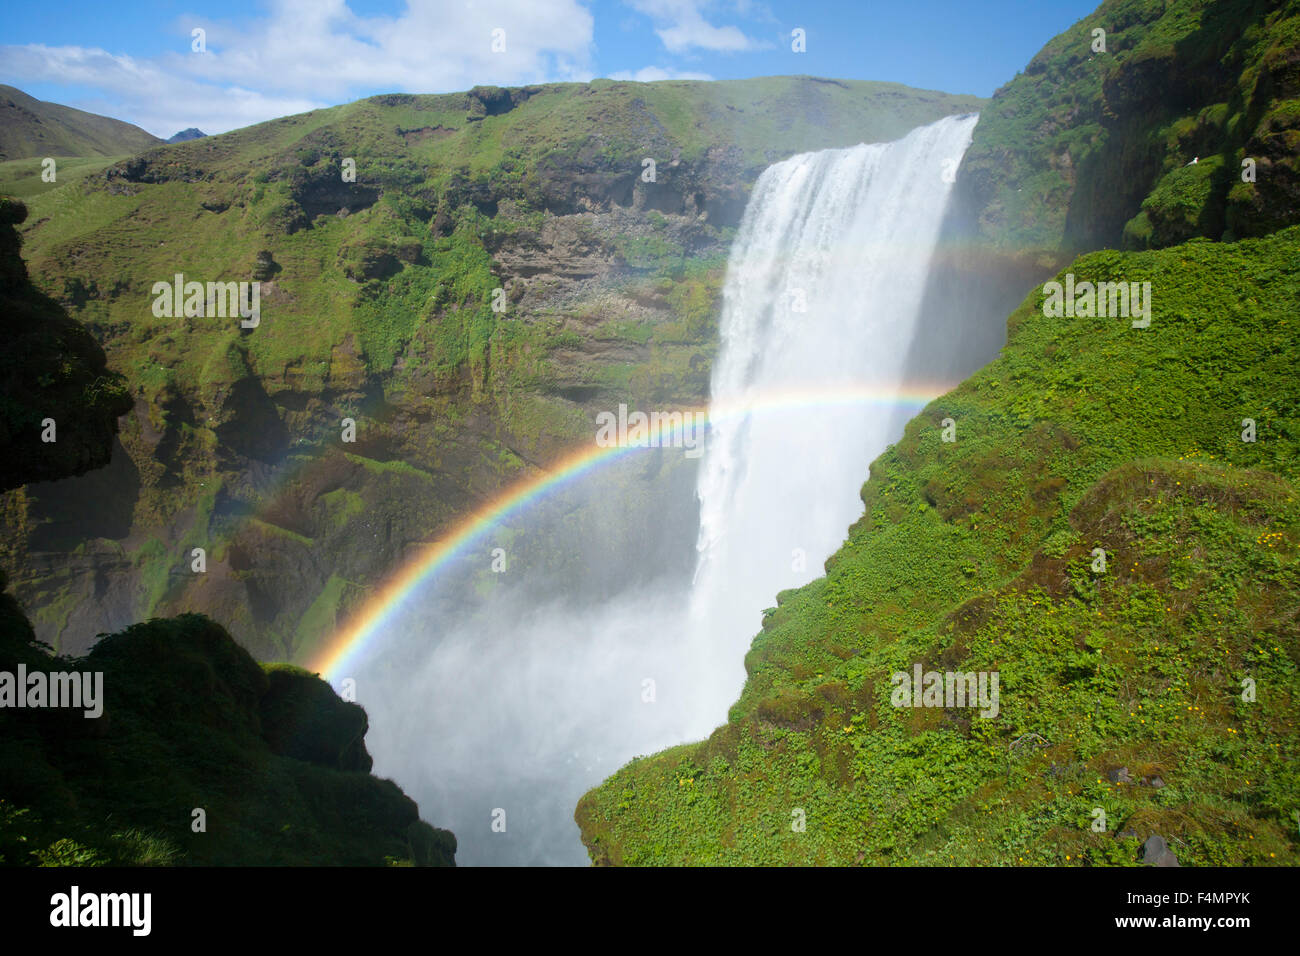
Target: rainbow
[346, 645]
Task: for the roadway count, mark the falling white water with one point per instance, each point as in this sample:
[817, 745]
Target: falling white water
[515, 706]
[822, 297]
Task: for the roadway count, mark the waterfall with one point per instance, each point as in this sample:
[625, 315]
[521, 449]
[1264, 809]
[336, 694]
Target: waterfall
[822, 297]
[513, 707]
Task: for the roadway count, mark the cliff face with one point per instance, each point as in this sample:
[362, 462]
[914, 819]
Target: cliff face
[1142, 144]
[602, 212]
[197, 755]
[1144, 125]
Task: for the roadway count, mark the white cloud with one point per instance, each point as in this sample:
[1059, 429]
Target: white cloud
[680, 24]
[649, 74]
[144, 93]
[310, 53]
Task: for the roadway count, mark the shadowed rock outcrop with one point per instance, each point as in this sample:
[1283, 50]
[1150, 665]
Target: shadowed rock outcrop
[59, 403]
[200, 756]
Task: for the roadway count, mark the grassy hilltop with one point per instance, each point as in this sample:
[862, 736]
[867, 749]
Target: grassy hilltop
[31, 128]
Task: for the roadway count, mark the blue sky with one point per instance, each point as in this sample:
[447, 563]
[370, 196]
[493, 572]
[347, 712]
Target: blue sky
[267, 58]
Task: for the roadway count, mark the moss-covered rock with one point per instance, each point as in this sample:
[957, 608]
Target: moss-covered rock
[1091, 147]
[303, 717]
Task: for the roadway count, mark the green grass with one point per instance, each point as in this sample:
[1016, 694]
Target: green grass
[399, 468]
[35, 129]
[320, 619]
[24, 177]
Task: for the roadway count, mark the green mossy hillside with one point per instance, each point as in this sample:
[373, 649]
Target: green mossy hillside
[431, 176]
[1091, 147]
[1124, 689]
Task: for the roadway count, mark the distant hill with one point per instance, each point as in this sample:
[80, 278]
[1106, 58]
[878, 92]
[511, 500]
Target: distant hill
[30, 127]
[185, 135]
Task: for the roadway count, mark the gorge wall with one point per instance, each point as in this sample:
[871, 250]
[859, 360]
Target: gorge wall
[376, 305]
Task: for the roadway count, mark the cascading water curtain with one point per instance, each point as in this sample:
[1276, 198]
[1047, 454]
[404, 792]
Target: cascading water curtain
[822, 297]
